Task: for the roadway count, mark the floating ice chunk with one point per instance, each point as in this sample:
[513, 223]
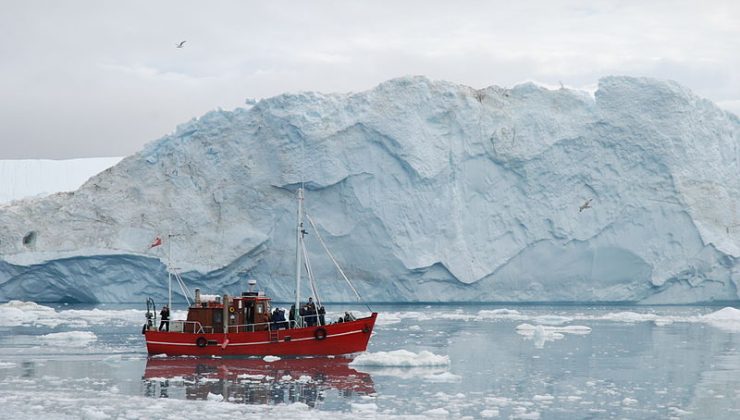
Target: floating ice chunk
[17, 313]
[419, 372]
[391, 318]
[498, 314]
[69, 338]
[678, 412]
[726, 319]
[437, 412]
[629, 401]
[443, 377]
[215, 397]
[498, 401]
[523, 413]
[400, 358]
[629, 317]
[542, 334]
[270, 359]
[528, 329]
[489, 413]
[552, 319]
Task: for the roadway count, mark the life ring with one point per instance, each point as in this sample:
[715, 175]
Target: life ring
[201, 342]
[320, 333]
[231, 309]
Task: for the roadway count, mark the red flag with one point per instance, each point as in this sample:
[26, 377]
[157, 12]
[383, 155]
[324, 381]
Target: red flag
[157, 242]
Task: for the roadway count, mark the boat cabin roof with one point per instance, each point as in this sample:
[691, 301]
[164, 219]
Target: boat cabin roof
[217, 302]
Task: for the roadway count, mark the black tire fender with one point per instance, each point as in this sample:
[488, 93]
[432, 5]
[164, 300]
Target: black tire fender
[320, 333]
[366, 329]
[201, 342]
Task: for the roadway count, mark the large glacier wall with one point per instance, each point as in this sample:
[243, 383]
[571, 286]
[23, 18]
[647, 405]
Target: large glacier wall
[425, 190]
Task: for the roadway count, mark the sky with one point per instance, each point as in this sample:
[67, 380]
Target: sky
[96, 78]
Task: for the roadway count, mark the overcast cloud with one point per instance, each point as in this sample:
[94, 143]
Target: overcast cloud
[102, 78]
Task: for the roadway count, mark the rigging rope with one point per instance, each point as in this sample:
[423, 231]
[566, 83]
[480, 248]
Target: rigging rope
[311, 278]
[336, 264]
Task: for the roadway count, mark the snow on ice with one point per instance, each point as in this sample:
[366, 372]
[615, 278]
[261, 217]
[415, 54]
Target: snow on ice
[426, 191]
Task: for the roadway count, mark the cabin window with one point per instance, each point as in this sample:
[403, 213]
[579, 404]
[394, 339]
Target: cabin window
[240, 304]
[260, 308]
[218, 317]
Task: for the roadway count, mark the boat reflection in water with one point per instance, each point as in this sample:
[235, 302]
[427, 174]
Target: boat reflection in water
[255, 381]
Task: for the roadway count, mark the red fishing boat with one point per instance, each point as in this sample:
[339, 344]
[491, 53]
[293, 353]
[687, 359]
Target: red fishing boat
[245, 325]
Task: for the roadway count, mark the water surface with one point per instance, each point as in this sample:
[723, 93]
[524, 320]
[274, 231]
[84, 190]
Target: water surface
[504, 362]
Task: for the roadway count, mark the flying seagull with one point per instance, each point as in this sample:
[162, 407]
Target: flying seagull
[181, 44]
[586, 205]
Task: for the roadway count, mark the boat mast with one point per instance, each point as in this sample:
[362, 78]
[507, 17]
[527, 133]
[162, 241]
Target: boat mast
[298, 237]
[169, 269]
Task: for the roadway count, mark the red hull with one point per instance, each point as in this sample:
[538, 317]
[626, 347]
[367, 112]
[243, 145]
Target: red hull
[341, 338]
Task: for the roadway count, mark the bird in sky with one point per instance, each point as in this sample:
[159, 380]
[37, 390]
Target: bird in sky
[586, 205]
[181, 44]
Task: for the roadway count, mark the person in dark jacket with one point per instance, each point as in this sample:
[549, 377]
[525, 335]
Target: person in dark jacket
[322, 312]
[165, 318]
[310, 313]
[278, 319]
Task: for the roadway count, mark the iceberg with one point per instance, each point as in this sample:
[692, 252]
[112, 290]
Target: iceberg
[426, 191]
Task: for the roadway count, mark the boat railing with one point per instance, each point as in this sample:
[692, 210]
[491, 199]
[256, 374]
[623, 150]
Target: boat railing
[262, 326]
[191, 326]
[196, 327]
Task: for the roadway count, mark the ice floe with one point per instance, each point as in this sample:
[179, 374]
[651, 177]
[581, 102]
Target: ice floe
[727, 318]
[443, 377]
[544, 333]
[69, 338]
[17, 313]
[400, 358]
[215, 397]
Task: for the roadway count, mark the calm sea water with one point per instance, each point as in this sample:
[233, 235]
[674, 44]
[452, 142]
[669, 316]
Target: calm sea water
[504, 362]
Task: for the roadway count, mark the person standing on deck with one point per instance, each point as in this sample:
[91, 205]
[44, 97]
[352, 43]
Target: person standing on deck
[165, 316]
[311, 315]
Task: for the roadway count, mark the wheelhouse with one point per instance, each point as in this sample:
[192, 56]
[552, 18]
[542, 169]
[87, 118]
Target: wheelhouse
[227, 314]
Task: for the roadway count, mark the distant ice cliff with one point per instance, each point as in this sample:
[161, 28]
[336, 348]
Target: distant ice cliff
[22, 178]
[425, 190]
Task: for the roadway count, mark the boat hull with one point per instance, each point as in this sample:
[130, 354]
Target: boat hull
[332, 339]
